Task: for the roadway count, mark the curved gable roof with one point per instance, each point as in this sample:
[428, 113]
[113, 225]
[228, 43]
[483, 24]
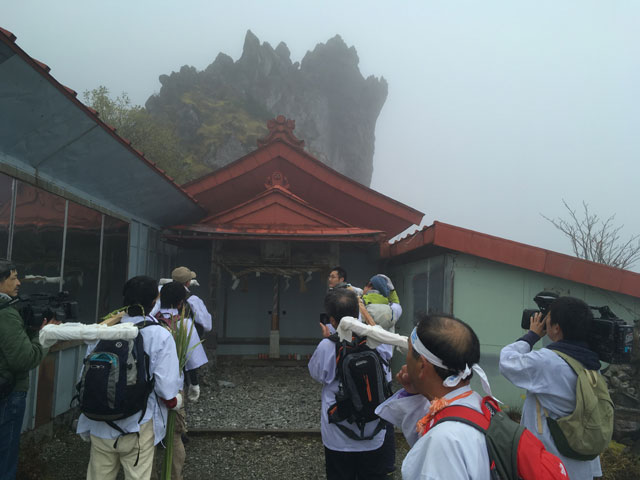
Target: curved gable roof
[308, 178]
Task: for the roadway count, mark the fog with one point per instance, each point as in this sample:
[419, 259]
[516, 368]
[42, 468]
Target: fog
[497, 111]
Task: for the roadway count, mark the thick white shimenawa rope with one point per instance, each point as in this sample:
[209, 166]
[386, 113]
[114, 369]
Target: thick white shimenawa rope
[375, 335]
[452, 380]
[87, 333]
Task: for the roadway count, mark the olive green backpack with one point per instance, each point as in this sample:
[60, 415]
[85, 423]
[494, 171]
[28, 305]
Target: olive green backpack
[587, 431]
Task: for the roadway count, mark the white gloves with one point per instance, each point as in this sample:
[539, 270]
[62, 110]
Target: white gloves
[194, 393]
[179, 402]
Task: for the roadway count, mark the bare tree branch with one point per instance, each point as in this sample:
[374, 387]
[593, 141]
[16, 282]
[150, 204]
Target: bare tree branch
[595, 239]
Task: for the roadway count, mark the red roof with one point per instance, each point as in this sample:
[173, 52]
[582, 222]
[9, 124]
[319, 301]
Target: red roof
[519, 255]
[310, 186]
[276, 212]
[10, 39]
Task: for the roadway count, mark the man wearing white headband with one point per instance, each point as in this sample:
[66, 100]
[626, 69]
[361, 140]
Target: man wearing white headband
[443, 355]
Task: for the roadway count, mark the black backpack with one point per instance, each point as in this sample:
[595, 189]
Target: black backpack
[362, 387]
[116, 381]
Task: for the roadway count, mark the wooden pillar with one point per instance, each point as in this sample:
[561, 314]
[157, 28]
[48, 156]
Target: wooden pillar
[215, 277]
[274, 336]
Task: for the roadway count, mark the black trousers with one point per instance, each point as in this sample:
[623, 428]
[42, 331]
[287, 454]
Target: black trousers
[372, 465]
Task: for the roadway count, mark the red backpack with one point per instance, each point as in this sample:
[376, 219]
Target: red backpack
[514, 452]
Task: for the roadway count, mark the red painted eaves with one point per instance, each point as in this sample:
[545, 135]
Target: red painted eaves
[519, 255]
[10, 36]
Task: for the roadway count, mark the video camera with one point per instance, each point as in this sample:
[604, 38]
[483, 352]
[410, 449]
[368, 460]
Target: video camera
[609, 336]
[38, 306]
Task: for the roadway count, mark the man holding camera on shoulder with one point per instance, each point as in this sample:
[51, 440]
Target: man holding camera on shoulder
[20, 351]
[554, 377]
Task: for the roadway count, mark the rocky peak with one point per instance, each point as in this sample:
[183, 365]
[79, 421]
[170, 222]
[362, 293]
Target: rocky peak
[220, 112]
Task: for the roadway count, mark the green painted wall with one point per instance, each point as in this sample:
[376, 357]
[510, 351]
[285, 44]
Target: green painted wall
[490, 297]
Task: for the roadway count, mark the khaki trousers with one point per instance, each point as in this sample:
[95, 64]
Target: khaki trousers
[105, 460]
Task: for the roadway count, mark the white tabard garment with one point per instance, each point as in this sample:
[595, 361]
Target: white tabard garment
[449, 451]
[200, 313]
[196, 356]
[549, 378]
[322, 368]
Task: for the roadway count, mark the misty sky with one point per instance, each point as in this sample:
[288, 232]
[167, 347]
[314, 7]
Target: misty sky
[497, 110]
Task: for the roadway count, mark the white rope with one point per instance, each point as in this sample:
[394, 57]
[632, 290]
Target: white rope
[375, 335]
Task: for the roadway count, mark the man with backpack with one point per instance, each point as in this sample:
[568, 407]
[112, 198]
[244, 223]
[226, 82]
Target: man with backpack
[172, 298]
[355, 445]
[126, 388]
[436, 374]
[452, 430]
[200, 314]
[554, 377]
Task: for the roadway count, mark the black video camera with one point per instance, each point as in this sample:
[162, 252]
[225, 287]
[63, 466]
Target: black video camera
[38, 306]
[609, 336]
[544, 301]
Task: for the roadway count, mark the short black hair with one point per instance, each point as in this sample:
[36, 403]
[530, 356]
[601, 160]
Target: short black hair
[6, 267]
[451, 340]
[574, 317]
[140, 294]
[342, 273]
[172, 295]
[341, 302]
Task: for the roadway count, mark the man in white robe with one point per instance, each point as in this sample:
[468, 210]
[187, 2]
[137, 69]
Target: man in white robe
[135, 449]
[437, 374]
[201, 315]
[548, 378]
[347, 458]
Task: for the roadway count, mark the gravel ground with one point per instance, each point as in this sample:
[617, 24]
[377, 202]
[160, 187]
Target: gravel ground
[236, 395]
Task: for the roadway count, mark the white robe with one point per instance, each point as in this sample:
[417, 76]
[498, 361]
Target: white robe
[196, 356]
[449, 451]
[549, 378]
[200, 313]
[322, 367]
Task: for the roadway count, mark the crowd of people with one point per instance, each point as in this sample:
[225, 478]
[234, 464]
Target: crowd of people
[443, 354]
[128, 441]
[359, 412]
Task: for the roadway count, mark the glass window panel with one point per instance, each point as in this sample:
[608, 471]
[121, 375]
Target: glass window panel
[82, 255]
[115, 250]
[37, 241]
[5, 212]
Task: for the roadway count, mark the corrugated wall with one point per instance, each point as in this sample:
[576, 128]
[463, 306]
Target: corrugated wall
[490, 297]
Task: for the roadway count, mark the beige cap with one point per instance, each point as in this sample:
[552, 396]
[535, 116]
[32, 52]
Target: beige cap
[182, 275]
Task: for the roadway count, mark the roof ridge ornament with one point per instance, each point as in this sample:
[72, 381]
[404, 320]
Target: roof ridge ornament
[281, 128]
[277, 179]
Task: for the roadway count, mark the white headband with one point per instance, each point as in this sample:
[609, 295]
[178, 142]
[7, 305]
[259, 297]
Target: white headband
[453, 380]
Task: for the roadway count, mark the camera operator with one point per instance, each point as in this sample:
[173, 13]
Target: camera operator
[549, 380]
[19, 352]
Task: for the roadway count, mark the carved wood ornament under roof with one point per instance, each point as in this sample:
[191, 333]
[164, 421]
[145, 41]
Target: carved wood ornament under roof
[281, 128]
[277, 179]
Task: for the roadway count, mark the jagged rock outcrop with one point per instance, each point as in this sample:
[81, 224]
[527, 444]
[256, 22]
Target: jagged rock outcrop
[220, 112]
